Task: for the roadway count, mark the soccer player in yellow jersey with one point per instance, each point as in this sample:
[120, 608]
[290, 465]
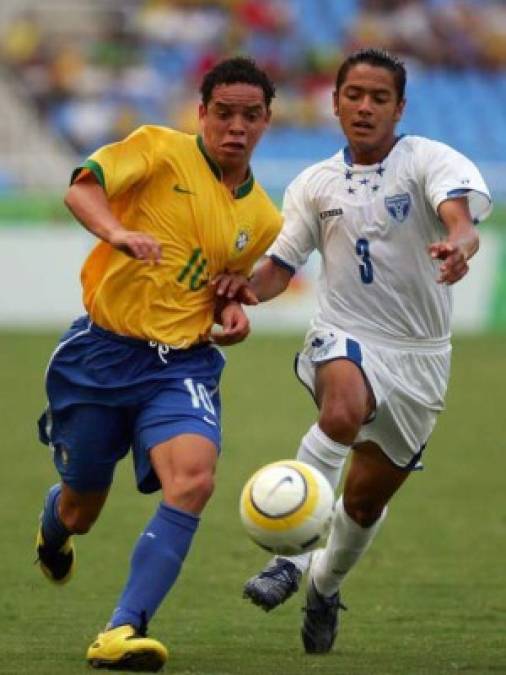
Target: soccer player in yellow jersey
[141, 370]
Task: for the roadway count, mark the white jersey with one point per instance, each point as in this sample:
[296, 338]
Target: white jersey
[372, 226]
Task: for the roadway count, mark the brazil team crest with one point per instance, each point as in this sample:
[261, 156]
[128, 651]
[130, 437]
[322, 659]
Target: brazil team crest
[242, 240]
[398, 206]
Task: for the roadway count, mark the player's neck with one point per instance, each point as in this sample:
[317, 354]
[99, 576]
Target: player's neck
[366, 156]
[234, 178]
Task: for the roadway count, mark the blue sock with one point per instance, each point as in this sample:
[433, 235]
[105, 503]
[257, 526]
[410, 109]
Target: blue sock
[53, 530]
[155, 565]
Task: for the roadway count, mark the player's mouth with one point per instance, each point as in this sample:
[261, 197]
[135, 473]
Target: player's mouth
[362, 125]
[232, 146]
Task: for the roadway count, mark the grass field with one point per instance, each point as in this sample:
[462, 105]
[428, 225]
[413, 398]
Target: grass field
[428, 599]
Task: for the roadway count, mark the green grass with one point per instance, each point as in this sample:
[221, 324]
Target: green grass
[428, 599]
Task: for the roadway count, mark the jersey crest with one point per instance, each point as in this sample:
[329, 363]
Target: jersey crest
[398, 206]
[242, 240]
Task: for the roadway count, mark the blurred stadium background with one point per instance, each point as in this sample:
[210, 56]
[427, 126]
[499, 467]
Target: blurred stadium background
[75, 74]
[429, 598]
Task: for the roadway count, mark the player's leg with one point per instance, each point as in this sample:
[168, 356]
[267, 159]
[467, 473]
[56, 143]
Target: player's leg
[345, 401]
[88, 440]
[371, 481]
[66, 512]
[185, 467]
[176, 443]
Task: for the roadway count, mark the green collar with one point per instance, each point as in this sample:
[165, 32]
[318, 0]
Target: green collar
[241, 190]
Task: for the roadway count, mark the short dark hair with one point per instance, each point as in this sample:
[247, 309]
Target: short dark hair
[379, 58]
[237, 69]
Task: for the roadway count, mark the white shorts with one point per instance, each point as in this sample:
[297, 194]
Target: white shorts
[408, 383]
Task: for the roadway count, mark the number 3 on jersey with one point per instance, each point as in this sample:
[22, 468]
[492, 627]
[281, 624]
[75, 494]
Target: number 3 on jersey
[366, 271]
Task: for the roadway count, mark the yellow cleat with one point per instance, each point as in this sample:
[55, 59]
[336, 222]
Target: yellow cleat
[58, 566]
[123, 648]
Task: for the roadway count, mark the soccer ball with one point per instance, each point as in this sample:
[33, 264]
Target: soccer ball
[286, 507]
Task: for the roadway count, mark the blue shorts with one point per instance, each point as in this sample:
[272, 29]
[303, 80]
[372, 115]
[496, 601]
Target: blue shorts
[108, 393]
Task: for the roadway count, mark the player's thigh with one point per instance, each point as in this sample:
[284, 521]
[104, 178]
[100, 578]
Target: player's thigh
[340, 383]
[88, 442]
[182, 407]
[371, 481]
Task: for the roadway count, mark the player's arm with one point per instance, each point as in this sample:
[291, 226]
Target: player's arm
[268, 280]
[461, 243]
[87, 201]
[235, 326]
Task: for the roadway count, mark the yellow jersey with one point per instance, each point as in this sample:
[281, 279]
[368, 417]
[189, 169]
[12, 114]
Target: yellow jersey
[164, 183]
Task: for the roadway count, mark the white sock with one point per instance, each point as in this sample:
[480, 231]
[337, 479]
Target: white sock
[320, 451]
[346, 544]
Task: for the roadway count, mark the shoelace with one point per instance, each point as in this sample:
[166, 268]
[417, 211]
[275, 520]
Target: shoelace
[277, 572]
[328, 603]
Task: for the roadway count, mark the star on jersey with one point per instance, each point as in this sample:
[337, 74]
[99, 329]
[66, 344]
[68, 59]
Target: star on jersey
[361, 183]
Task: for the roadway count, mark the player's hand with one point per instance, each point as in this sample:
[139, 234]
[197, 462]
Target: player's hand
[137, 245]
[454, 265]
[235, 325]
[234, 287]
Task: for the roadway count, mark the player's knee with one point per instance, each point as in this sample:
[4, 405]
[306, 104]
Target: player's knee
[192, 491]
[340, 422]
[364, 510]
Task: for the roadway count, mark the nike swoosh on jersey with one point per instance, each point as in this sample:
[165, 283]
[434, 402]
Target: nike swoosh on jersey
[209, 420]
[182, 190]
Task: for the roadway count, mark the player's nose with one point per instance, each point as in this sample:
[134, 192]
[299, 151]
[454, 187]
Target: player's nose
[365, 104]
[237, 125]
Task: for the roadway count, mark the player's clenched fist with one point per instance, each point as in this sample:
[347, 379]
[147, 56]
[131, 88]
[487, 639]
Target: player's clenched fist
[136, 244]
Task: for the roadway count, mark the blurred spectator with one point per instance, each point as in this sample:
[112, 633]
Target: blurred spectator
[137, 60]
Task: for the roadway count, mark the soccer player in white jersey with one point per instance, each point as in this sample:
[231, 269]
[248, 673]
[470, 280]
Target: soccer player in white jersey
[394, 220]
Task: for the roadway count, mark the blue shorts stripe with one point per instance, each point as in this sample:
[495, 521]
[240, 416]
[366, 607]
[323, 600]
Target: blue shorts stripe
[353, 351]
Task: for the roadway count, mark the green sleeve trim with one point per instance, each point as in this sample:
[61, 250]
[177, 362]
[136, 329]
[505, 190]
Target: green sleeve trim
[95, 169]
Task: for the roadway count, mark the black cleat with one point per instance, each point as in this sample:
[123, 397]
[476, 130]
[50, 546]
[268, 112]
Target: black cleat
[321, 620]
[274, 584]
[58, 566]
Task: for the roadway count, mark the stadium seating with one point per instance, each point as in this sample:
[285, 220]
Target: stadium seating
[147, 70]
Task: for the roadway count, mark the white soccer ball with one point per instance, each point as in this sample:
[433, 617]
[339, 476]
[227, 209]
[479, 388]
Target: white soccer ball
[286, 507]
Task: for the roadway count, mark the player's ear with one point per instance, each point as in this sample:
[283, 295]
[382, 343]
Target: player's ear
[400, 109]
[335, 102]
[202, 111]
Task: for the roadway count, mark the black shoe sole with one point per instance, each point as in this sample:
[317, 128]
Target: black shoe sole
[140, 662]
